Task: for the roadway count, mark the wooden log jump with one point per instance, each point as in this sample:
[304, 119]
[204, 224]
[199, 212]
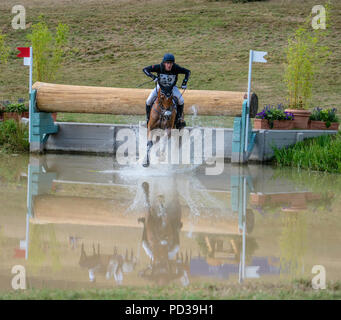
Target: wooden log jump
[46, 98]
[125, 101]
[101, 212]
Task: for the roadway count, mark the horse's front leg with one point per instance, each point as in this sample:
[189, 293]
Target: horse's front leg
[146, 160]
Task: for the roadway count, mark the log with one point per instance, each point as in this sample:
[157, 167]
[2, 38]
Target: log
[106, 212]
[126, 101]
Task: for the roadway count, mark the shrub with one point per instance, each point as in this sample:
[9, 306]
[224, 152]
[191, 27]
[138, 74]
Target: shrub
[322, 153]
[14, 136]
[326, 115]
[4, 50]
[48, 50]
[272, 113]
[16, 107]
[305, 56]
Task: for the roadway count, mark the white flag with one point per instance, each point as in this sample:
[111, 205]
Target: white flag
[258, 56]
[23, 244]
[252, 272]
[27, 61]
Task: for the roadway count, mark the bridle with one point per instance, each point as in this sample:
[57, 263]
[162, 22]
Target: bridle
[165, 113]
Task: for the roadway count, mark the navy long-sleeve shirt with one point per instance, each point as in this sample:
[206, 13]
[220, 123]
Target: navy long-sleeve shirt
[167, 78]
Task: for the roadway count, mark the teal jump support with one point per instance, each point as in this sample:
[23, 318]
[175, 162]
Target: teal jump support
[241, 186]
[41, 126]
[38, 182]
[241, 152]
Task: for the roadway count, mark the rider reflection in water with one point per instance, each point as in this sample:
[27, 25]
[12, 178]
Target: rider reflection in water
[167, 76]
[161, 239]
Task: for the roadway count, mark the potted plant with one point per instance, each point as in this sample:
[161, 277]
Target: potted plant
[324, 119]
[15, 111]
[2, 110]
[11, 112]
[305, 56]
[274, 118]
[23, 109]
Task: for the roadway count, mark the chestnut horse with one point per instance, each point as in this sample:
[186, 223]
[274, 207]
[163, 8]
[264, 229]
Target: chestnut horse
[161, 234]
[162, 116]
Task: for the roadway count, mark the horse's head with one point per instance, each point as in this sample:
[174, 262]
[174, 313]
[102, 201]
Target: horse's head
[165, 97]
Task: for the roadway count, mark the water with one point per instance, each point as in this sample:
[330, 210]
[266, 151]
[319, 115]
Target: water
[83, 221]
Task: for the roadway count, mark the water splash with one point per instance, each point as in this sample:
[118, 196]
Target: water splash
[194, 117]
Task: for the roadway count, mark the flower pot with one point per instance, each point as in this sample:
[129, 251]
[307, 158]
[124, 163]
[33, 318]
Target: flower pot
[283, 124]
[298, 202]
[11, 115]
[25, 114]
[321, 125]
[258, 199]
[301, 118]
[261, 124]
[334, 126]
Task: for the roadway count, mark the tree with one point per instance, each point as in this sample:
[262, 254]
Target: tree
[305, 56]
[4, 50]
[48, 50]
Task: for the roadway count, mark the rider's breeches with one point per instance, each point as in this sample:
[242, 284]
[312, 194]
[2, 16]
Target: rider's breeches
[176, 93]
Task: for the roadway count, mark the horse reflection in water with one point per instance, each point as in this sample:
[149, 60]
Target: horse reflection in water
[161, 236]
[109, 265]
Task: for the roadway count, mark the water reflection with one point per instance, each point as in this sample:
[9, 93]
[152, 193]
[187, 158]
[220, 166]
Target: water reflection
[90, 221]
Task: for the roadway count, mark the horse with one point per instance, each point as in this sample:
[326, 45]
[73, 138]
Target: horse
[162, 116]
[110, 265]
[161, 236]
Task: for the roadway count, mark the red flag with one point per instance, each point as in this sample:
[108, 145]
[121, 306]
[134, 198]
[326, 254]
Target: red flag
[19, 253]
[24, 52]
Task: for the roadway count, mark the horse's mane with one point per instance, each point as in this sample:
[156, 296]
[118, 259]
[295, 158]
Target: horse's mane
[166, 101]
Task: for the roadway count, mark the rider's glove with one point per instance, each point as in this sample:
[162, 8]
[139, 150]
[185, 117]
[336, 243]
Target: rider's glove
[155, 79]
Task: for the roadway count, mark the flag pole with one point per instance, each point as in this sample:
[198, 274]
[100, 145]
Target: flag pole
[30, 91]
[248, 101]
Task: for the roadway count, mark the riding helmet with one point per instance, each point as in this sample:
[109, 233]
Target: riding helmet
[168, 57]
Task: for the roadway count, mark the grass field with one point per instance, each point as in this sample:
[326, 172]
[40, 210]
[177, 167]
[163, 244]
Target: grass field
[260, 291]
[111, 41]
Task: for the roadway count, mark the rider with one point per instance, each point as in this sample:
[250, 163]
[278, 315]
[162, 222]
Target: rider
[167, 76]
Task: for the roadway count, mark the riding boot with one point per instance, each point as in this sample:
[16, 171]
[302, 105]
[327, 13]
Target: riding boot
[179, 121]
[148, 108]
